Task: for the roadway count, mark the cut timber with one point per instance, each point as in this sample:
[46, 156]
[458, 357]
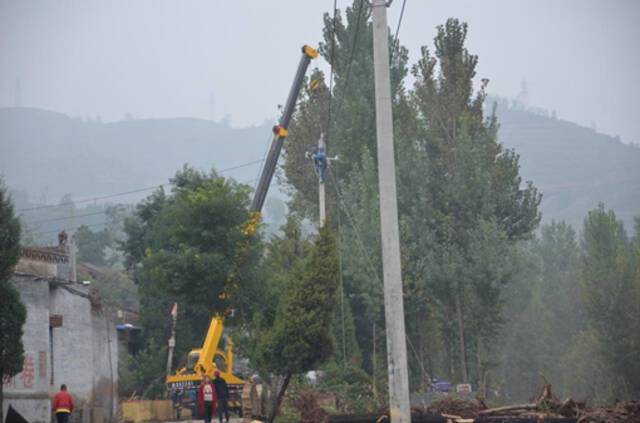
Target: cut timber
[509, 409]
[449, 406]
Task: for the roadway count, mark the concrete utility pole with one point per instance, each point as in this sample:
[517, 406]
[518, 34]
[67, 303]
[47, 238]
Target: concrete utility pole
[399, 407]
[172, 340]
[321, 168]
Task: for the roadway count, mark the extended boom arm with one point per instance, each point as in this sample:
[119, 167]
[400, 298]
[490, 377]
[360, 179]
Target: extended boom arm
[280, 131]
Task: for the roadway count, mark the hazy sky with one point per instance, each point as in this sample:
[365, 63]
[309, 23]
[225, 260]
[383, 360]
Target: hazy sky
[161, 58]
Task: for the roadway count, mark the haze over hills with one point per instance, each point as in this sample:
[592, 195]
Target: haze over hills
[50, 154]
[574, 167]
[47, 155]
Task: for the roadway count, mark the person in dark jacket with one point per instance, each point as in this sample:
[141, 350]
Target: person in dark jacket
[207, 399]
[223, 396]
[62, 405]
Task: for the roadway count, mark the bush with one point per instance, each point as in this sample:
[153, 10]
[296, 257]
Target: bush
[351, 386]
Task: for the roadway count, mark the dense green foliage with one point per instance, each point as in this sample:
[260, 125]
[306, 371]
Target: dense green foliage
[182, 248]
[9, 236]
[12, 317]
[351, 386]
[12, 312]
[486, 301]
[462, 203]
[91, 245]
[300, 337]
[573, 313]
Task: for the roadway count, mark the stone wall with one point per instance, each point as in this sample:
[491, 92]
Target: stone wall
[67, 339]
[72, 344]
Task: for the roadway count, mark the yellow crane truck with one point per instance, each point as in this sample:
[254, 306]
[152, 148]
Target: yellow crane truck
[205, 361]
[209, 358]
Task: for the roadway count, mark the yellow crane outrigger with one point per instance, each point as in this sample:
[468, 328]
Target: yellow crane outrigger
[209, 358]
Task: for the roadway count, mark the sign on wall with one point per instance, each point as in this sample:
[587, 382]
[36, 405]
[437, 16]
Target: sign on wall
[25, 381]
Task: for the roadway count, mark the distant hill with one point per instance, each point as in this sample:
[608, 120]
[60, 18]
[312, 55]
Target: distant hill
[574, 167]
[43, 152]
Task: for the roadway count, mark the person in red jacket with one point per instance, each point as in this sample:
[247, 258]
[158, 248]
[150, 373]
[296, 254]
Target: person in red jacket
[62, 405]
[207, 399]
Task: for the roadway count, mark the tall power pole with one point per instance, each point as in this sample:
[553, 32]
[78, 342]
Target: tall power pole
[320, 159]
[172, 340]
[399, 407]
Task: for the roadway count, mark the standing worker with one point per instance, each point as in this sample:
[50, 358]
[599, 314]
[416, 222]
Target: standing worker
[222, 390]
[62, 405]
[176, 399]
[207, 399]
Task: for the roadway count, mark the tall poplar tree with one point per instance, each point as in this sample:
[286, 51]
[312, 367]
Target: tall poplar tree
[475, 202]
[611, 292]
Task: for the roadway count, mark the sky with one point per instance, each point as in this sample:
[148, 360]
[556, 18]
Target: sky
[236, 59]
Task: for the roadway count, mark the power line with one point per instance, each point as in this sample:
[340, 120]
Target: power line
[72, 228]
[332, 66]
[119, 194]
[88, 200]
[67, 217]
[264, 158]
[396, 43]
[354, 46]
[119, 220]
[359, 242]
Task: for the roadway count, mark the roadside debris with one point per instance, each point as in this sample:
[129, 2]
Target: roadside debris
[546, 405]
[544, 408]
[457, 407]
[624, 411]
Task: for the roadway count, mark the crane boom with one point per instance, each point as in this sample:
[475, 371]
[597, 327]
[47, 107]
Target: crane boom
[202, 361]
[280, 131]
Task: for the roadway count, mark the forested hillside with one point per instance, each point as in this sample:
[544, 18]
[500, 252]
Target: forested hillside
[47, 155]
[574, 167]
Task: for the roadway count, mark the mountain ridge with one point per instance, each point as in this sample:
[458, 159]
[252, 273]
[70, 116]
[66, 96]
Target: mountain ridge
[48, 152]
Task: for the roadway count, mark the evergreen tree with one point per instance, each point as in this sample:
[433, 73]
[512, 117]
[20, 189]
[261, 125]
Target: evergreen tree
[9, 236]
[12, 311]
[12, 317]
[301, 337]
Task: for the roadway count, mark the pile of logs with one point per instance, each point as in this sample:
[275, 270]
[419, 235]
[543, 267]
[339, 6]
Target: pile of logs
[449, 406]
[626, 411]
[545, 405]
